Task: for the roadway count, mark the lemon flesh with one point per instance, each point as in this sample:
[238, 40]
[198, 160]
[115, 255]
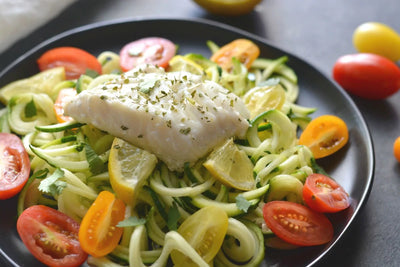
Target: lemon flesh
[43, 82]
[231, 166]
[129, 167]
[181, 63]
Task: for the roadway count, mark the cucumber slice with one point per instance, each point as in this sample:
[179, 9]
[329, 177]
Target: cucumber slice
[285, 187]
[59, 127]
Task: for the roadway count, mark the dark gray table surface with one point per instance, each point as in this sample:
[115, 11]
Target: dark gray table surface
[318, 32]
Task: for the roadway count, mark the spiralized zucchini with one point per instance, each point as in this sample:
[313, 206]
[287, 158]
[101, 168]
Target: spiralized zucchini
[69, 166]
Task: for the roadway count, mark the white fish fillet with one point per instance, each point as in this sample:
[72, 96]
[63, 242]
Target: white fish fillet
[175, 115]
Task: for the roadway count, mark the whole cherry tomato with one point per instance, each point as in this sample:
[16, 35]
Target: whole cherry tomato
[377, 38]
[367, 75]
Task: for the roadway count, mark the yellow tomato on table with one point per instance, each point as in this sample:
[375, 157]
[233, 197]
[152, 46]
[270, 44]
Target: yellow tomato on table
[228, 7]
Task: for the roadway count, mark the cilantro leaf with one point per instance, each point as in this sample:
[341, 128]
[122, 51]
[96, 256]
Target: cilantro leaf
[52, 184]
[132, 221]
[242, 203]
[96, 164]
[30, 109]
[173, 218]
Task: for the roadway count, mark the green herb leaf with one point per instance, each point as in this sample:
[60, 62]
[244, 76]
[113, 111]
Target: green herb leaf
[242, 203]
[52, 184]
[96, 164]
[173, 218]
[30, 109]
[147, 85]
[91, 73]
[132, 221]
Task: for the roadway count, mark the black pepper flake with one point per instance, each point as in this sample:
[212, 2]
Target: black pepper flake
[124, 128]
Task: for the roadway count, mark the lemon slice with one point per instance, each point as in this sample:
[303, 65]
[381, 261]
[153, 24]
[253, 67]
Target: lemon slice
[129, 167]
[231, 166]
[43, 82]
[181, 63]
[261, 99]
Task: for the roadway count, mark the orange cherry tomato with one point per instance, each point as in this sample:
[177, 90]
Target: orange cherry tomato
[64, 96]
[99, 234]
[75, 61]
[325, 135]
[396, 148]
[244, 50]
[323, 194]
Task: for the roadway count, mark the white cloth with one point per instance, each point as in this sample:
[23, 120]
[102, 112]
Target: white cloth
[18, 18]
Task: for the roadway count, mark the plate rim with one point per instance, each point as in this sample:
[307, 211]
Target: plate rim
[225, 27]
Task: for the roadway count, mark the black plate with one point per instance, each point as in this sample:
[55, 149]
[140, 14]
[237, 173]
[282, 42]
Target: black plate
[316, 90]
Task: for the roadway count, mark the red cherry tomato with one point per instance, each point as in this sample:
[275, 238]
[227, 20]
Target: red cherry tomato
[323, 194]
[75, 61]
[150, 50]
[297, 224]
[14, 165]
[51, 236]
[367, 75]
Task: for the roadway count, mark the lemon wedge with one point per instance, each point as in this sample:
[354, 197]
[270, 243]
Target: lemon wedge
[181, 63]
[231, 166]
[43, 82]
[264, 98]
[129, 167]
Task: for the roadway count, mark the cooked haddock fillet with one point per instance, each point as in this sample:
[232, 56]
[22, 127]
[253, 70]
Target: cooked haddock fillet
[175, 115]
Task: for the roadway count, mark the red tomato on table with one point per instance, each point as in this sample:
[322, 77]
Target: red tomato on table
[367, 75]
[323, 194]
[151, 50]
[297, 224]
[14, 165]
[51, 236]
[75, 61]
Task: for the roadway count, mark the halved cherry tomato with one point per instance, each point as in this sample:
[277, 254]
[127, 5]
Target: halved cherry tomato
[367, 75]
[98, 233]
[244, 50]
[75, 61]
[205, 231]
[51, 236]
[297, 224]
[64, 96]
[151, 50]
[14, 165]
[323, 194]
[325, 135]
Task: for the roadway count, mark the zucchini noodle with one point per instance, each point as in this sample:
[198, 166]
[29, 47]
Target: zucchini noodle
[69, 166]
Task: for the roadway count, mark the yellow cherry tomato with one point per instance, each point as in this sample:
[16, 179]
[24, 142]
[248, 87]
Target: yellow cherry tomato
[377, 38]
[228, 7]
[205, 231]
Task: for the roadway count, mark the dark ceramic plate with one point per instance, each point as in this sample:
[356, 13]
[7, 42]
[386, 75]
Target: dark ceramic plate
[316, 90]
